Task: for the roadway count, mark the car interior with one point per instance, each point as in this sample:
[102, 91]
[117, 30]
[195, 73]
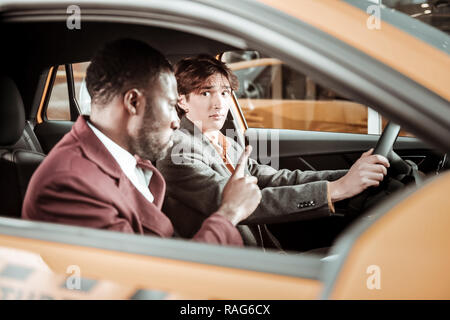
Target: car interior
[29, 71]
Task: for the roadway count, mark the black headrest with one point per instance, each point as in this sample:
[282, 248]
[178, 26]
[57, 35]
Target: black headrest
[12, 112]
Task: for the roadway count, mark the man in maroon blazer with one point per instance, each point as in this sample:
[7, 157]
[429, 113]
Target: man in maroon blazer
[100, 174]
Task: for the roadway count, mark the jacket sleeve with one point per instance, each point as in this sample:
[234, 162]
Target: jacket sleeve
[193, 183]
[69, 199]
[198, 187]
[291, 195]
[269, 177]
[217, 229]
[286, 195]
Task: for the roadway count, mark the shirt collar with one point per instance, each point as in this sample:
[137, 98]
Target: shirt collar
[125, 159]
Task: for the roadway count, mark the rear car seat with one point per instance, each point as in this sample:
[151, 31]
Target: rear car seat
[20, 151]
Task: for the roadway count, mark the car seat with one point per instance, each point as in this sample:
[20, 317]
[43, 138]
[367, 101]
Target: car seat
[20, 151]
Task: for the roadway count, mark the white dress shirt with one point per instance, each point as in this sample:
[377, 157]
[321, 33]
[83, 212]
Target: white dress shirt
[127, 162]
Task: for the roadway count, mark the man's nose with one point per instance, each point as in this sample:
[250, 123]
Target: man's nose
[218, 101]
[175, 123]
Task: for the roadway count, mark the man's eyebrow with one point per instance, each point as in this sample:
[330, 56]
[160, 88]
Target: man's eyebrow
[211, 87]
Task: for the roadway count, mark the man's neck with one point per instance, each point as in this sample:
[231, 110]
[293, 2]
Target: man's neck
[110, 133]
[213, 136]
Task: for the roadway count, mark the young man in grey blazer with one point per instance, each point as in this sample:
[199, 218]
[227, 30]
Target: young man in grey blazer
[202, 160]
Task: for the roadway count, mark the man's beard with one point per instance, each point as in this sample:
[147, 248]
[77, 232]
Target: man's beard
[148, 144]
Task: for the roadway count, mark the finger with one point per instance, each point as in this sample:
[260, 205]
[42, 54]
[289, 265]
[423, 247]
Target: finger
[367, 153]
[242, 163]
[251, 179]
[378, 168]
[383, 160]
[258, 192]
[371, 182]
[374, 176]
[259, 195]
[384, 170]
[376, 158]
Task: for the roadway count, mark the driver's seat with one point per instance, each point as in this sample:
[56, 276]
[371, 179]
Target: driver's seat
[17, 162]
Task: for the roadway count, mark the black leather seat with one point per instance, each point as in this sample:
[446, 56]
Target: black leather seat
[20, 152]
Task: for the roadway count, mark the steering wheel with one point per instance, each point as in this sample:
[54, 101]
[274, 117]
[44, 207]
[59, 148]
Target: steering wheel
[385, 146]
[398, 166]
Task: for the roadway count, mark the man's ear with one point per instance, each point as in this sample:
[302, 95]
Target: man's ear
[182, 102]
[133, 101]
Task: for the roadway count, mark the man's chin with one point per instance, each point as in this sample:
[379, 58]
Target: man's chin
[217, 126]
[163, 152]
[156, 150]
[153, 155]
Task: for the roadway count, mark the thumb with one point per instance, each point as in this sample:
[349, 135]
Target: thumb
[367, 153]
[240, 168]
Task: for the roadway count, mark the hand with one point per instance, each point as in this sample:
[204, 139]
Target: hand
[241, 195]
[367, 171]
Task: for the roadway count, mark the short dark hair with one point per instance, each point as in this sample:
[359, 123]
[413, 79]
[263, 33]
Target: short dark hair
[122, 65]
[193, 72]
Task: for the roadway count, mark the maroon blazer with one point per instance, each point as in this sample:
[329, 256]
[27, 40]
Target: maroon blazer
[80, 183]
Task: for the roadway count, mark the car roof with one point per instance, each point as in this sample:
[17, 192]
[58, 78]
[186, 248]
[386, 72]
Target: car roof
[416, 50]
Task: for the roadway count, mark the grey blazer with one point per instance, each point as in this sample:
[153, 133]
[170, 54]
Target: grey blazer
[196, 176]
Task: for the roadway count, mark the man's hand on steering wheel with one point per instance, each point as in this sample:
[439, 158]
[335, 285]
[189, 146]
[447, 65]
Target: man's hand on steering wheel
[369, 170]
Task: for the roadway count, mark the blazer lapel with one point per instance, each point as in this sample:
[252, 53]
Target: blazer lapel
[207, 147]
[149, 214]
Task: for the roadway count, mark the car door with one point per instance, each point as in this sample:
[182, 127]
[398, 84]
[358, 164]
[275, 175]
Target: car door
[114, 265]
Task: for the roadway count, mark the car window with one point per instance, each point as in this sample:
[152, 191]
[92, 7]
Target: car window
[436, 13]
[59, 106]
[82, 95]
[273, 95]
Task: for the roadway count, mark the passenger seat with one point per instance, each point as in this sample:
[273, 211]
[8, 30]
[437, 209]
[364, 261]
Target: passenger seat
[20, 151]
